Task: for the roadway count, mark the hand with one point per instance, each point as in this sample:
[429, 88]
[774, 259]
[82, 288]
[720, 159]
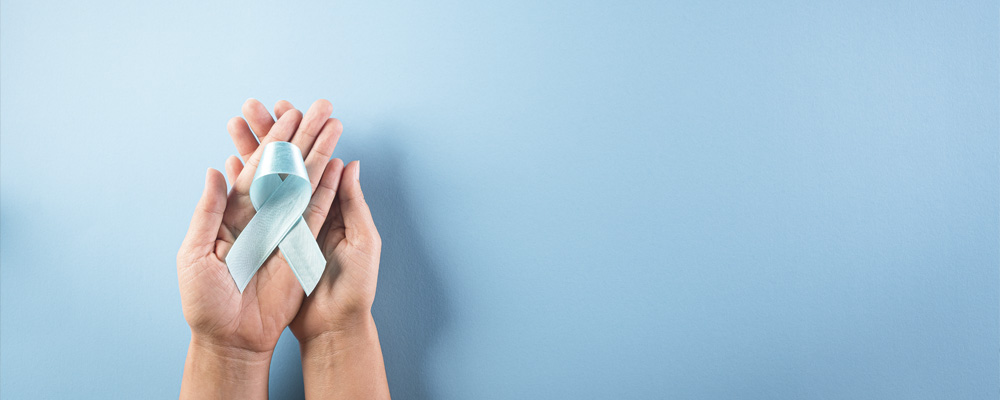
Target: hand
[352, 246]
[348, 238]
[341, 356]
[224, 322]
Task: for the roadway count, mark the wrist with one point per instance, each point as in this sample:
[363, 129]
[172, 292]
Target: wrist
[345, 363]
[217, 371]
[238, 356]
[350, 332]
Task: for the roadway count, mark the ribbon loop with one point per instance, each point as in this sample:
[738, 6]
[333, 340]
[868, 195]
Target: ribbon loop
[280, 192]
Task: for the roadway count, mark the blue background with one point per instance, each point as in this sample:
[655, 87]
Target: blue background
[580, 200]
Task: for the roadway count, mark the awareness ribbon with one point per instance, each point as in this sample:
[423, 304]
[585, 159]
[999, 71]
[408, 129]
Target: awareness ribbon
[280, 192]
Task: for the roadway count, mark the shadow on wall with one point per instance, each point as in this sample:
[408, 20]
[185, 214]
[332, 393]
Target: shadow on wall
[410, 304]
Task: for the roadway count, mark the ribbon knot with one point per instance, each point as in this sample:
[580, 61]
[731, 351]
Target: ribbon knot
[280, 192]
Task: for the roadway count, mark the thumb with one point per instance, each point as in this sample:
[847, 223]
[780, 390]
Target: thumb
[207, 219]
[358, 224]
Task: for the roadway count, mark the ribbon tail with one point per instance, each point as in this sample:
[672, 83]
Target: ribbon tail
[303, 256]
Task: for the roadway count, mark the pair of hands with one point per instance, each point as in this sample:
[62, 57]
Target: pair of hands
[244, 328]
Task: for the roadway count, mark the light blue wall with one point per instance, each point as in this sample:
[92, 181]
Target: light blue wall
[579, 200]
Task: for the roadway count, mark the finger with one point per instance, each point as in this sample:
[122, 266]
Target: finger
[322, 150]
[319, 205]
[281, 107]
[358, 224]
[258, 117]
[281, 131]
[314, 119]
[207, 219]
[233, 168]
[244, 140]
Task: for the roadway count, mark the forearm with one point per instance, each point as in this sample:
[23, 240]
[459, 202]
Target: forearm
[223, 373]
[345, 364]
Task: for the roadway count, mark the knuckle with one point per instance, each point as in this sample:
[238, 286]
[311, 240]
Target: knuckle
[314, 209]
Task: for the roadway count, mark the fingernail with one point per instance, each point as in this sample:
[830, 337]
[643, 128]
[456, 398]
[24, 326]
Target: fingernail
[357, 172]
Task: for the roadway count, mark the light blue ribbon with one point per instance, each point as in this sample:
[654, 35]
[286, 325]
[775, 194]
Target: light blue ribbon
[280, 192]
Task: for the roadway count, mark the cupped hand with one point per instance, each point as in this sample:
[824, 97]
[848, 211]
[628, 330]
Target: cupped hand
[216, 311]
[344, 295]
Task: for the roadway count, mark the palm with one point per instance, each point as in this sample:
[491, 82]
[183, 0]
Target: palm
[213, 305]
[348, 282]
[253, 320]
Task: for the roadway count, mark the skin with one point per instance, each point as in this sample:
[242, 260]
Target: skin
[233, 335]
